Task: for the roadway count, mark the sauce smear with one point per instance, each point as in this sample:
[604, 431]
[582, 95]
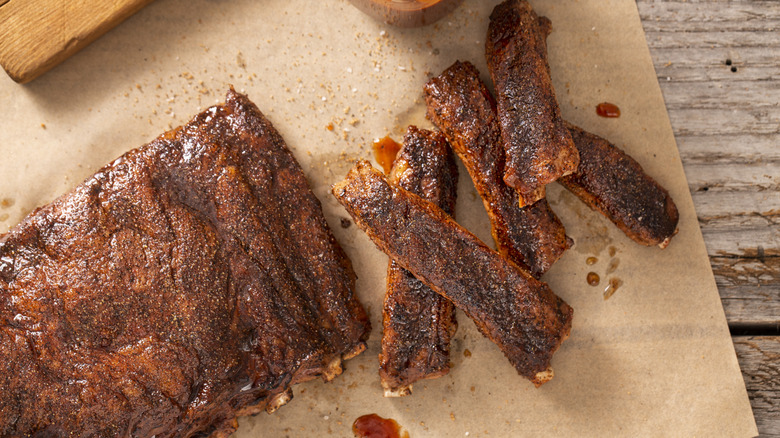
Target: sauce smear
[374, 426]
[606, 109]
[385, 150]
[614, 284]
[613, 264]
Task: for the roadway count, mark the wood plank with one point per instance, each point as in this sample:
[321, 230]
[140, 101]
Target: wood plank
[39, 34]
[686, 54]
[759, 358]
[715, 57]
[711, 39]
[734, 93]
[756, 177]
[737, 148]
[669, 71]
[720, 66]
[705, 15]
[749, 291]
[731, 224]
[733, 244]
[742, 302]
[759, 120]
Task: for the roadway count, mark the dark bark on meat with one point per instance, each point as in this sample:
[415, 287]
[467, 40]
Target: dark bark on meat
[538, 146]
[417, 322]
[190, 281]
[461, 106]
[614, 184]
[519, 313]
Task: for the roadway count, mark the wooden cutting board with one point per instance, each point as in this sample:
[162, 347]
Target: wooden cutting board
[36, 35]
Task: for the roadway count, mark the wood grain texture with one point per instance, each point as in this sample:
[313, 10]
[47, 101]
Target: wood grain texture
[36, 35]
[717, 65]
[727, 127]
[759, 357]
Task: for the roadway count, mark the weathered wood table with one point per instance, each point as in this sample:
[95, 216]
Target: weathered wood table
[718, 64]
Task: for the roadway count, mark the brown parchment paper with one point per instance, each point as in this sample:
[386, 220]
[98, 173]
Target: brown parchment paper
[655, 359]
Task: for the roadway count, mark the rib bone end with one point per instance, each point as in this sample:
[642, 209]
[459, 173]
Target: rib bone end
[359, 348]
[332, 370]
[279, 400]
[397, 392]
[666, 241]
[542, 377]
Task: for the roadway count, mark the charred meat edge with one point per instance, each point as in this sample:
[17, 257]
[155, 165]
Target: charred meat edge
[538, 147]
[520, 314]
[418, 323]
[461, 106]
[611, 182]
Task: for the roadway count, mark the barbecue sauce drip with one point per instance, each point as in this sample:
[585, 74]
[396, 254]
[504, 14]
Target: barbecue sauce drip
[614, 284]
[606, 109]
[385, 150]
[374, 426]
[593, 279]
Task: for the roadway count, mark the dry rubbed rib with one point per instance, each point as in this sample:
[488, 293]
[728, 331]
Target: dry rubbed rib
[463, 109]
[538, 146]
[190, 281]
[613, 183]
[417, 322]
[509, 306]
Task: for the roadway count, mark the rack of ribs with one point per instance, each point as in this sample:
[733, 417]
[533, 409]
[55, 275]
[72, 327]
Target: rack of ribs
[190, 281]
[614, 184]
[461, 106]
[417, 322]
[538, 147]
[525, 319]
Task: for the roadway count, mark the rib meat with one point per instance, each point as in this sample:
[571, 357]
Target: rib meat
[417, 322]
[189, 281]
[509, 306]
[614, 184]
[463, 109]
[538, 146]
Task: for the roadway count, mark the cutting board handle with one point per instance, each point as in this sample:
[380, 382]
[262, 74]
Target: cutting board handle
[36, 35]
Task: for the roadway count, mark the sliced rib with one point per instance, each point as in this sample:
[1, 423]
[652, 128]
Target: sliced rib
[611, 182]
[519, 313]
[461, 106]
[417, 322]
[538, 147]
